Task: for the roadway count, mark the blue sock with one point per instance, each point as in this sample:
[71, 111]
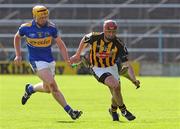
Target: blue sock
[31, 89]
[67, 108]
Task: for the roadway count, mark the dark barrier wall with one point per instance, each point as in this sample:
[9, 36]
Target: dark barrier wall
[24, 68]
[61, 68]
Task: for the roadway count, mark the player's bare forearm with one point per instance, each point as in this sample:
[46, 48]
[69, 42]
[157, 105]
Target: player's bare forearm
[17, 47]
[124, 72]
[17, 44]
[131, 72]
[130, 75]
[76, 57]
[62, 48]
[81, 47]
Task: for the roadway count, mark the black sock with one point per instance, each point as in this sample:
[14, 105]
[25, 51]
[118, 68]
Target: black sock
[114, 108]
[122, 108]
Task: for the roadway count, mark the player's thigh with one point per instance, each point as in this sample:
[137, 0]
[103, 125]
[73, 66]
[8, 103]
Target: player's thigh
[39, 65]
[111, 82]
[52, 67]
[46, 76]
[108, 75]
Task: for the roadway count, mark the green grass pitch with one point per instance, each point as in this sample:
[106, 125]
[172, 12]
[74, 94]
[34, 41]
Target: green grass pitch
[156, 104]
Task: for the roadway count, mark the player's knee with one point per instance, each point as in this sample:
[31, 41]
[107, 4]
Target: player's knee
[53, 86]
[51, 83]
[117, 88]
[116, 85]
[46, 88]
[112, 82]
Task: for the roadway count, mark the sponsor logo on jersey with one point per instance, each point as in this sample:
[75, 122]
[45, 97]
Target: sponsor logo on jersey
[39, 42]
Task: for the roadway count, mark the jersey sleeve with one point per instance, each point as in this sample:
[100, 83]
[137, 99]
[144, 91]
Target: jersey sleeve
[54, 29]
[123, 52]
[22, 30]
[55, 32]
[88, 38]
[124, 56]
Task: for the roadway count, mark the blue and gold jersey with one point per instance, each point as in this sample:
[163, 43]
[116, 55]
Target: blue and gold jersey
[39, 40]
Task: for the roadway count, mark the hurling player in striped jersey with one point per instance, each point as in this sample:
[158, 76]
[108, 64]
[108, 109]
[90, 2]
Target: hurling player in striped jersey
[105, 49]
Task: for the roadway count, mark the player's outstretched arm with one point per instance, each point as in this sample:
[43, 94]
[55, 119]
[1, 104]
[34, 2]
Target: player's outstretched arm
[63, 49]
[130, 74]
[76, 57]
[17, 46]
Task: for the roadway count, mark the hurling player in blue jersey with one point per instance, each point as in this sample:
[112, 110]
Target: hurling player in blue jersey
[39, 33]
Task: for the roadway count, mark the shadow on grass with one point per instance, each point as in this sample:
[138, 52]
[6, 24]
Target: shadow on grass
[121, 121]
[62, 121]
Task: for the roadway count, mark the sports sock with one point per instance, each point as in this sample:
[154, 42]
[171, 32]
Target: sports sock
[68, 109]
[31, 89]
[113, 108]
[122, 108]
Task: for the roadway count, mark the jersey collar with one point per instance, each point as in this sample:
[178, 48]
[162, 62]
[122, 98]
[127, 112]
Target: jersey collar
[35, 24]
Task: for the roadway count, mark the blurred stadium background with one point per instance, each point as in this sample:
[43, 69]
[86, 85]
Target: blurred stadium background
[150, 28]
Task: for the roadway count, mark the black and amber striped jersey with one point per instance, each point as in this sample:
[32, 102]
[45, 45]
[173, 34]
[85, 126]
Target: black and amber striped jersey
[105, 54]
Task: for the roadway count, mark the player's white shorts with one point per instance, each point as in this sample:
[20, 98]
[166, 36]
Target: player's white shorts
[39, 65]
[113, 70]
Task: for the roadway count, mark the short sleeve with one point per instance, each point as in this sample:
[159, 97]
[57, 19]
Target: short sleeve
[55, 32]
[21, 30]
[124, 54]
[88, 38]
